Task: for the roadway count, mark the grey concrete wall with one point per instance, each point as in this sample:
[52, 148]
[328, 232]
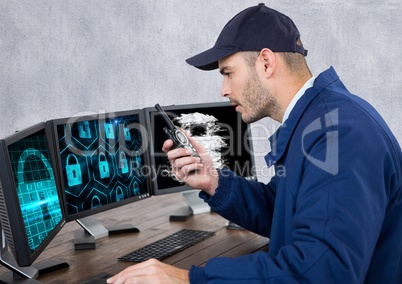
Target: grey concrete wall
[60, 58]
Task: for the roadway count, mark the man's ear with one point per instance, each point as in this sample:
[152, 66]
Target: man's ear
[267, 62]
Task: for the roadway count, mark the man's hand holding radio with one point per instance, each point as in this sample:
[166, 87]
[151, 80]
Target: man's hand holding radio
[196, 171]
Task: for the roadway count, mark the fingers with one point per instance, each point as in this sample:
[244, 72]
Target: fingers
[134, 272]
[178, 152]
[186, 171]
[151, 271]
[196, 171]
[167, 145]
[182, 166]
[186, 160]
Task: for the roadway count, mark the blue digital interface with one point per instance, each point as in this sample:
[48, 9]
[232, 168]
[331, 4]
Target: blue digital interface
[101, 161]
[36, 187]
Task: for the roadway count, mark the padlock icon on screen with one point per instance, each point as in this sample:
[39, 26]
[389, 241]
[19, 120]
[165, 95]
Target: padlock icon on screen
[103, 165]
[109, 130]
[127, 133]
[95, 201]
[137, 160]
[73, 171]
[36, 192]
[84, 131]
[119, 194]
[123, 163]
[136, 189]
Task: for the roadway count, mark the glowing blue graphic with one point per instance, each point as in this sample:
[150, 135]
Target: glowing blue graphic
[108, 162]
[73, 171]
[103, 165]
[84, 130]
[37, 192]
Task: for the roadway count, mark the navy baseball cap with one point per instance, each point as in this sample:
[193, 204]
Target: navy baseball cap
[252, 29]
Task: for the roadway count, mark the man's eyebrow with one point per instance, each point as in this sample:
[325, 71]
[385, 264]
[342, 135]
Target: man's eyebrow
[224, 69]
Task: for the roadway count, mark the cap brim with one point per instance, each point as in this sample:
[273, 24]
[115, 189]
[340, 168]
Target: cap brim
[208, 60]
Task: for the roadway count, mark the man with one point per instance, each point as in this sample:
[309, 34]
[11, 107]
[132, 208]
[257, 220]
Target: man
[334, 214]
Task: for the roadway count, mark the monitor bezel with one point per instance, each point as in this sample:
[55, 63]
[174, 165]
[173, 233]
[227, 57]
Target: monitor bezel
[52, 125]
[184, 187]
[11, 216]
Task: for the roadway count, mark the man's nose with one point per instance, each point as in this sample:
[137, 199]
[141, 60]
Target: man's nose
[225, 90]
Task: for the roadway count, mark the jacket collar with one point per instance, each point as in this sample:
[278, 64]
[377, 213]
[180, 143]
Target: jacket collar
[281, 138]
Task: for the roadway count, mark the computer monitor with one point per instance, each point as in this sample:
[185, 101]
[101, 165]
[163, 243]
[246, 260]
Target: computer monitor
[99, 158]
[30, 206]
[215, 125]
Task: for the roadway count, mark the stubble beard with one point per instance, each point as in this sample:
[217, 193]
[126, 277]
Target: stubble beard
[258, 101]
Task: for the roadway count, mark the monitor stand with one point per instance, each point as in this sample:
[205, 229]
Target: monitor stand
[195, 206]
[93, 227]
[93, 230]
[26, 274]
[17, 273]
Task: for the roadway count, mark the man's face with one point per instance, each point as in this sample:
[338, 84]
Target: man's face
[243, 87]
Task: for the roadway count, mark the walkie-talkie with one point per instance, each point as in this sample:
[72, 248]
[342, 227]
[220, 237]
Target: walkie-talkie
[173, 132]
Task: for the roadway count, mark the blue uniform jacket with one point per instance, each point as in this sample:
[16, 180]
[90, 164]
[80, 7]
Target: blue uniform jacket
[333, 209]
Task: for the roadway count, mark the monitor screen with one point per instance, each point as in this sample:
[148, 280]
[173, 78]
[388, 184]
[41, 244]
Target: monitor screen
[31, 211]
[99, 158]
[215, 125]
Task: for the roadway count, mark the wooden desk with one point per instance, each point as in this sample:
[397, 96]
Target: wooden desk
[151, 216]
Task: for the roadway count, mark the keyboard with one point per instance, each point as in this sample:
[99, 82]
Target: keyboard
[167, 246]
